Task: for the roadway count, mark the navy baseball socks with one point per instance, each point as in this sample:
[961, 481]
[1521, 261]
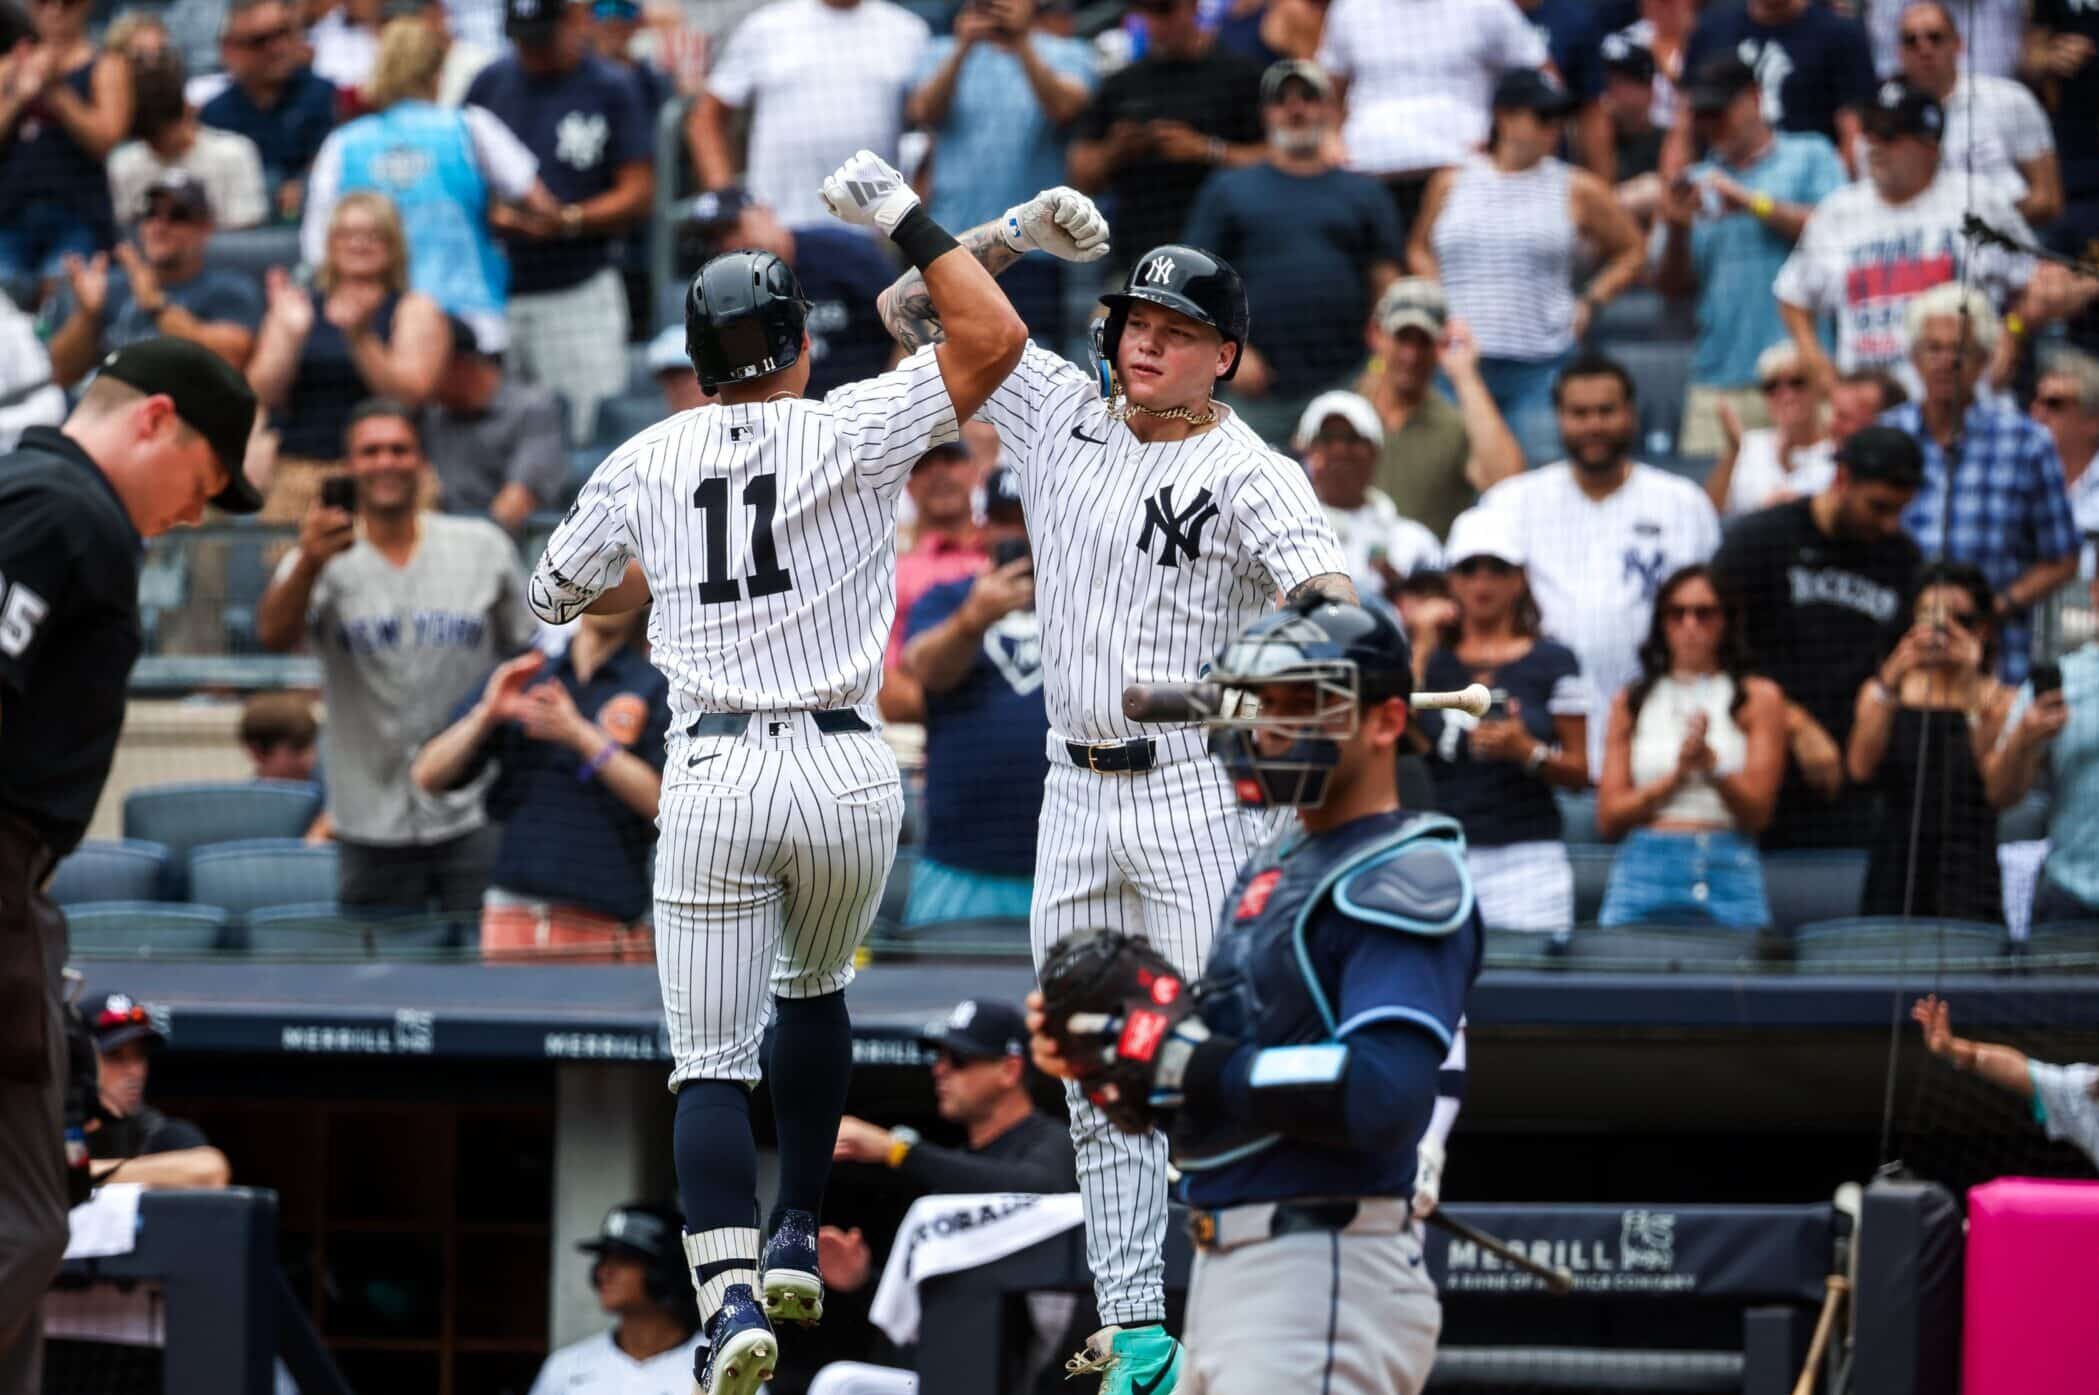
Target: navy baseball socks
[808, 1070]
[1130, 1360]
[717, 1161]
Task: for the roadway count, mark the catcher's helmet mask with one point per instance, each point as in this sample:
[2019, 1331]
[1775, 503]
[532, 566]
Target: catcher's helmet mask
[1183, 279]
[745, 316]
[1338, 656]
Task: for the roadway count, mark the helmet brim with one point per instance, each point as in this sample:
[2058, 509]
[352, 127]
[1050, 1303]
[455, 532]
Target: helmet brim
[1170, 300]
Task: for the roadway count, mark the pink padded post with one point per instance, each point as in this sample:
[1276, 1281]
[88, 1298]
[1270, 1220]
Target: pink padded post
[2032, 1300]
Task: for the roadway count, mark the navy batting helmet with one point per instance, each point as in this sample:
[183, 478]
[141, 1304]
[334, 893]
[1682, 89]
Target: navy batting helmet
[1201, 285]
[653, 1235]
[744, 314]
[1342, 655]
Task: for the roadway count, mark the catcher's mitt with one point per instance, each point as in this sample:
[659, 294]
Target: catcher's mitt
[1110, 1002]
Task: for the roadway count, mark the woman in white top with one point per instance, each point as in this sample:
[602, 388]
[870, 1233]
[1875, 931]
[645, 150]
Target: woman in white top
[1691, 769]
[1791, 458]
[1500, 233]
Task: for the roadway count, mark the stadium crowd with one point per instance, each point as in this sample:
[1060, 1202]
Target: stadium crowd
[1688, 374]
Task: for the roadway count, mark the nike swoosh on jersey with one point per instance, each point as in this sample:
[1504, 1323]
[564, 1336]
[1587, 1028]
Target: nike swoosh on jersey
[695, 760]
[1098, 441]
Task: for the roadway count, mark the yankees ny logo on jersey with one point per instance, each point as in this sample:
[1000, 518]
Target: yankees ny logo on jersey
[1179, 533]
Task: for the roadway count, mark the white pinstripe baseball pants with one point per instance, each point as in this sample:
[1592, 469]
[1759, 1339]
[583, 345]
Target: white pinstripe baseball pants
[774, 847]
[1153, 854]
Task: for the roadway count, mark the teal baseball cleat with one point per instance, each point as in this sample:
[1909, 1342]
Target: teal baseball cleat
[1130, 1360]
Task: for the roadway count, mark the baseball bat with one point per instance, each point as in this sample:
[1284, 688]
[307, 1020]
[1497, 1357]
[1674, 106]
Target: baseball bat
[1558, 1281]
[1838, 1286]
[1196, 702]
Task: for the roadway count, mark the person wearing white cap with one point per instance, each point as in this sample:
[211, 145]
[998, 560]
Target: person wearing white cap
[672, 370]
[1494, 775]
[1437, 456]
[1339, 437]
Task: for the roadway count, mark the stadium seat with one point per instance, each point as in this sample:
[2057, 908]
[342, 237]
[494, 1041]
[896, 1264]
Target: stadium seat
[1804, 887]
[1578, 817]
[252, 251]
[2026, 821]
[897, 891]
[257, 873]
[989, 936]
[1663, 370]
[183, 817]
[2062, 940]
[1892, 944]
[315, 928]
[1640, 315]
[145, 928]
[1630, 949]
[1592, 872]
[626, 416]
[110, 870]
[1523, 949]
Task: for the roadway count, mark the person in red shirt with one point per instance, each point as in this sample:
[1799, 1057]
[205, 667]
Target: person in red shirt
[945, 547]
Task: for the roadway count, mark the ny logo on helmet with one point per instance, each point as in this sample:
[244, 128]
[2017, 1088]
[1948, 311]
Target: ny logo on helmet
[1180, 533]
[1159, 271]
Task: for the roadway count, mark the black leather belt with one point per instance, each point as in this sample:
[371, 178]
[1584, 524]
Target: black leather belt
[1131, 757]
[1288, 1218]
[833, 721]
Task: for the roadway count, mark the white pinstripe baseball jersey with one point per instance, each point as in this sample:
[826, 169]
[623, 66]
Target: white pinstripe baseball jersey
[768, 534]
[1147, 557]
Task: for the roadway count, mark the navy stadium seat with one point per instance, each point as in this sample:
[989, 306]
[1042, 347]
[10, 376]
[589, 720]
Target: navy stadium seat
[110, 870]
[1804, 887]
[145, 928]
[183, 817]
[1577, 817]
[1592, 872]
[628, 415]
[313, 927]
[1893, 944]
[252, 251]
[257, 873]
[1662, 371]
[2026, 821]
[1632, 949]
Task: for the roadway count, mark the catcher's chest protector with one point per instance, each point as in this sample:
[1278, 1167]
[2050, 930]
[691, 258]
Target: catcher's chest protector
[1267, 974]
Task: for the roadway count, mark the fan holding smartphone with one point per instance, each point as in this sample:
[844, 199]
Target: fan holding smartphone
[976, 646]
[2051, 736]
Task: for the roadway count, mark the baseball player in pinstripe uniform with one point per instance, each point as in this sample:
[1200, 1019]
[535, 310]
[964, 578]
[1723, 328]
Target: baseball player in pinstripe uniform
[764, 529]
[1161, 527]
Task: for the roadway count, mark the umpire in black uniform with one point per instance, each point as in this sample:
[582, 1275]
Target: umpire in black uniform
[161, 431]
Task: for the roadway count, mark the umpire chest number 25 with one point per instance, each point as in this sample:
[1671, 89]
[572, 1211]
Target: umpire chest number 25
[761, 496]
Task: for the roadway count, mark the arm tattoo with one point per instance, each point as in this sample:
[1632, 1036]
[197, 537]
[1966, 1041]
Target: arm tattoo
[906, 307]
[1334, 586]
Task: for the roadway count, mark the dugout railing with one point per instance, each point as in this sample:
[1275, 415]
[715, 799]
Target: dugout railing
[1649, 1264]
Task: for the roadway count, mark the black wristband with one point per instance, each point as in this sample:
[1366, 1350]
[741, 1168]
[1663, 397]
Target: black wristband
[920, 239]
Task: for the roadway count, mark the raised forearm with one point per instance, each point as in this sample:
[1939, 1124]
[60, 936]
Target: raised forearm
[943, 656]
[1493, 452]
[232, 342]
[906, 307]
[928, 106]
[281, 614]
[446, 757]
[1335, 586]
[275, 364]
[72, 347]
[1062, 97]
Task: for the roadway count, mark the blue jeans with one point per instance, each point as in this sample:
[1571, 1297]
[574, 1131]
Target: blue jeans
[1522, 389]
[943, 893]
[1663, 878]
[33, 245]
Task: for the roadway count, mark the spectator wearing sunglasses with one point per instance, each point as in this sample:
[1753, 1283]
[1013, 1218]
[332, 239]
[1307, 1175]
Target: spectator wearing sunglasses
[2066, 403]
[613, 25]
[1995, 128]
[274, 99]
[1495, 775]
[1924, 730]
[133, 1141]
[65, 105]
[1692, 764]
[1789, 459]
[158, 286]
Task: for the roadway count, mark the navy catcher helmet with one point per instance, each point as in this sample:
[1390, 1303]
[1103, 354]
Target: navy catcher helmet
[653, 1235]
[744, 314]
[1342, 656]
[1199, 284]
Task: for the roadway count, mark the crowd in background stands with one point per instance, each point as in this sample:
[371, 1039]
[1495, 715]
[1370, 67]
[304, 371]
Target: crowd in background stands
[1726, 627]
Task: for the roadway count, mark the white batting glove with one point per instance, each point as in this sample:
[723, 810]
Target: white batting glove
[1428, 1179]
[868, 192]
[1062, 222]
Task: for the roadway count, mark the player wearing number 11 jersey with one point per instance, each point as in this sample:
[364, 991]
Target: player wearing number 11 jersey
[764, 529]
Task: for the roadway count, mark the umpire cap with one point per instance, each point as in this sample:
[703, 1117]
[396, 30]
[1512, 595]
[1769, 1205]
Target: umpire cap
[1201, 285]
[210, 397]
[744, 314]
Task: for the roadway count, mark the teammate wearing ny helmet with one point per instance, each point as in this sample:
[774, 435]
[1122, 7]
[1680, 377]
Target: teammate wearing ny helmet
[638, 1273]
[1301, 1070]
[1161, 527]
[764, 528]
